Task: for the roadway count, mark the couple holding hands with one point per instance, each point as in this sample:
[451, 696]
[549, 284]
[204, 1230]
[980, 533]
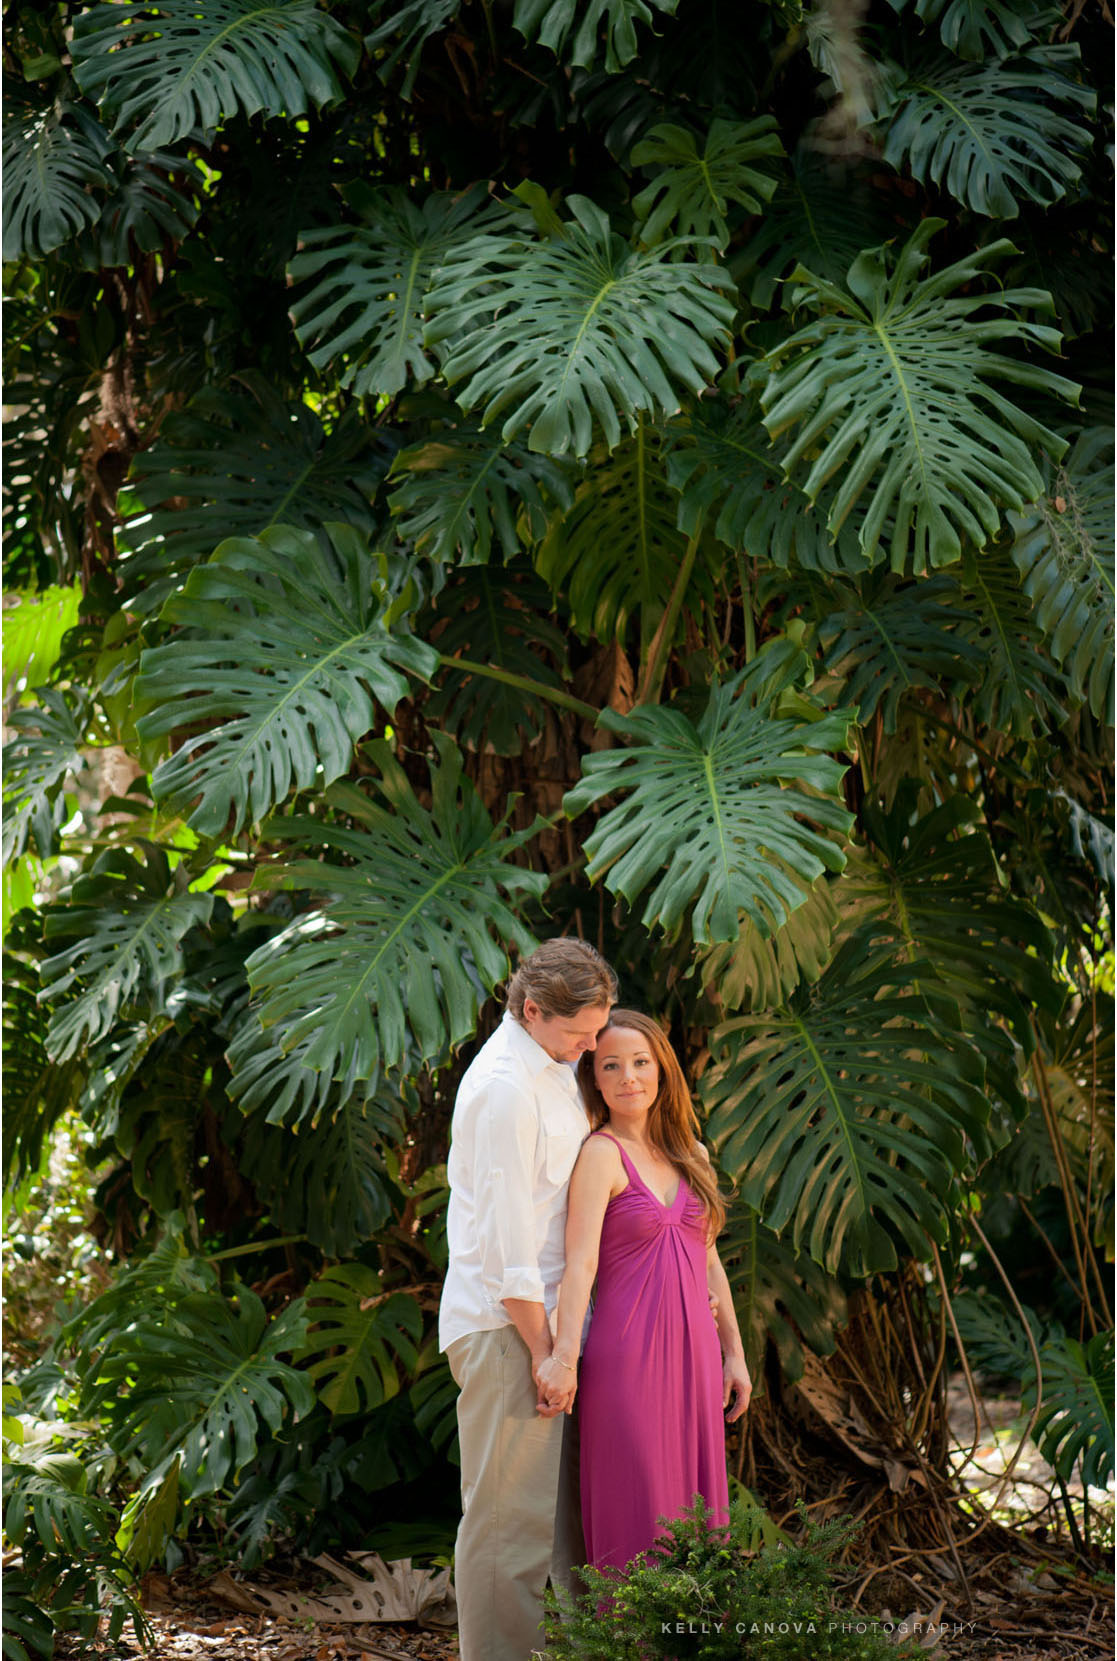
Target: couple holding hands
[575, 1166]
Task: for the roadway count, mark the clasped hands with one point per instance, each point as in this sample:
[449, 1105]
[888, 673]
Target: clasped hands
[557, 1386]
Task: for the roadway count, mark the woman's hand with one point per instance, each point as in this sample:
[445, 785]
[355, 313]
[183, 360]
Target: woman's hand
[735, 1376]
[557, 1385]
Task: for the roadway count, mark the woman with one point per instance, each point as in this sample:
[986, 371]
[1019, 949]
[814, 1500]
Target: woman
[643, 1215]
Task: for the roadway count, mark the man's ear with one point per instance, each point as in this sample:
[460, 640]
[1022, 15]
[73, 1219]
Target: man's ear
[532, 1010]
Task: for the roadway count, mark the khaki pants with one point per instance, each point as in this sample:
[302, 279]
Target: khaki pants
[512, 1472]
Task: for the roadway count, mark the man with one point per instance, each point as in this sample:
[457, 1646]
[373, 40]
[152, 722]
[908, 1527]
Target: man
[518, 1125]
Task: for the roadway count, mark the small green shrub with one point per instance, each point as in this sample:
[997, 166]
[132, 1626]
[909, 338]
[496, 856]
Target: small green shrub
[71, 1571]
[702, 1594]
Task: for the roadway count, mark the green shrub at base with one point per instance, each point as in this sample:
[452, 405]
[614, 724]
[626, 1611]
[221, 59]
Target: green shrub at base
[702, 1594]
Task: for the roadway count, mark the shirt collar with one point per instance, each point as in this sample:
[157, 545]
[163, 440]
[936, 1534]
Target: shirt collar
[533, 1055]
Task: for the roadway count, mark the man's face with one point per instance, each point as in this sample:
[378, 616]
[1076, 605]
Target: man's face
[565, 1037]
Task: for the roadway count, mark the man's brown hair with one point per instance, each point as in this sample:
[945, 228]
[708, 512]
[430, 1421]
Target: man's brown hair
[562, 977]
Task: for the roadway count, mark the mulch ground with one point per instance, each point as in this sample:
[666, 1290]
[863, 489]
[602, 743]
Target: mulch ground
[187, 1627]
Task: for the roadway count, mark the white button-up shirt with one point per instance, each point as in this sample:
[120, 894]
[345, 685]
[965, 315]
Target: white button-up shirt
[517, 1127]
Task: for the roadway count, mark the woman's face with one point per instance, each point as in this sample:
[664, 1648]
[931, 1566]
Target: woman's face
[625, 1071]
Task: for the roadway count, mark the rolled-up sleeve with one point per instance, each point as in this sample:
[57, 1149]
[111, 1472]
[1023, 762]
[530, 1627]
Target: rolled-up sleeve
[506, 1142]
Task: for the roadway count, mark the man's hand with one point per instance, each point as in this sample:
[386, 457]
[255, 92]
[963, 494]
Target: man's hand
[557, 1386]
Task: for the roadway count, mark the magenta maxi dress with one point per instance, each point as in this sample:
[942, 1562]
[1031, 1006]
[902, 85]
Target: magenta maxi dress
[650, 1391]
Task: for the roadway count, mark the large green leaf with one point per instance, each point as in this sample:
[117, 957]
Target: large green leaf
[362, 309]
[127, 917]
[1063, 550]
[35, 625]
[1074, 1427]
[570, 27]
[993, 133]
[286, 651]
[175, 67]
[935, 885]
[37, 1091]
[889, 387]
[359, 1336]
[712, 808]
[146, 208]
[619, 549]
[844, 1115]
[692, 190]
[236, 461]
[722, 463]
[47, 751]
[780, 1296]
[406, 28]
[498, 619]
[55, 174]
[761, 971]
[328, 1182]
[978, 29]
[202, 1386]
[549, 332]
[416, 934]
[822, 215]
[890, 637]
[1018, 689]
[458, 493]
[1075, 1424]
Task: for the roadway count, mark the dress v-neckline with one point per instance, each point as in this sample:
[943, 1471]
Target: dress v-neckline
[664, 1205]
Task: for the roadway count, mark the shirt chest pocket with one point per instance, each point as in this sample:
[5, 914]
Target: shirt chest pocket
[562, 1137]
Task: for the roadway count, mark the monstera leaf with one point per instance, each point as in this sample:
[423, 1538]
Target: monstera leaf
[359, 1335]
[330, 1183]
[47, 751]
[978, 29]
[416, 935]
[496, 619]
[175, 67]
[406, 29]
[780, 1296]
[992, 133]
[889, 388]
[287, 649]
[1074, 1427]
[619, 548]
[892, 637]
[37, 1092]
[570, 27]
[1075, 1424]
[549, 333]
[460, 492]
[935, 885]
[128, 917]
[758, 971]
[204, 1386]
[55, 168]
[1017, 691]
[1063, 550]
[722, 463]
[691, 190]
[235, 462]
[712, 810]
[367, 284]
[844, 1115]
[145, 209]
[821, 216]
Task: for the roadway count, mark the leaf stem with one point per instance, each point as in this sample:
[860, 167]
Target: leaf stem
[523, 683]
[255, 1246]
[651, 682]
